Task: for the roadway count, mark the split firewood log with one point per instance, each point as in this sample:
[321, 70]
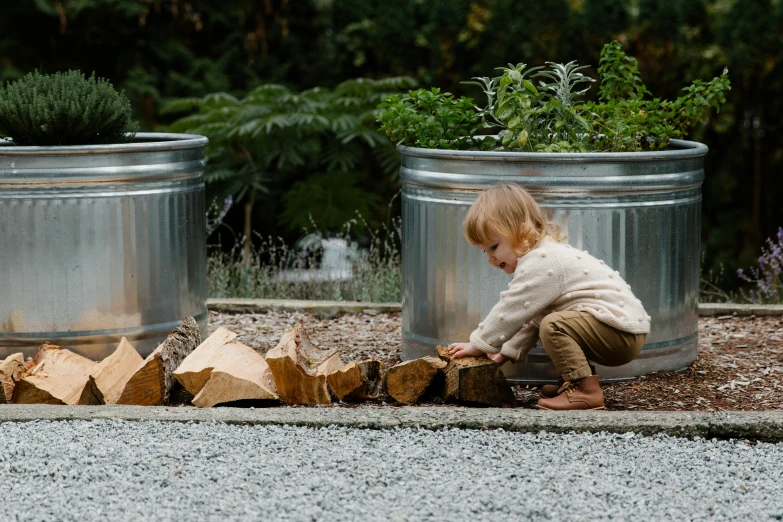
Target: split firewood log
[241, 374]
[110, 376]
[477, 380]
[59, 377]
[357, 381]
[152, 382]
[11, 370]
[300, 368]
[222, 370]
[193, 372]
[408, 381]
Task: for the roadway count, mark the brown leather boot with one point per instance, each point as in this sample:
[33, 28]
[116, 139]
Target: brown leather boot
[552, 390]
[582, 394]
[549, 391]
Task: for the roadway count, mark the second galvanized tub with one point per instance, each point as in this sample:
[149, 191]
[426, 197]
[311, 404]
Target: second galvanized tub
[102, 241]
[639, 212]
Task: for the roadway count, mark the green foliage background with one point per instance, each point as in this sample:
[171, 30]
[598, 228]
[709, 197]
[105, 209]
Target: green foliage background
[158, 50]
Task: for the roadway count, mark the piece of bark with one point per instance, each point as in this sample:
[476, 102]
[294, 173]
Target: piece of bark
[408, 381]
[300, 368]
[357, 381]
[152, 382]
[477, 380]
[59, 377]
[194, 371]
[11, 370]
[108, 379]
[239, 374]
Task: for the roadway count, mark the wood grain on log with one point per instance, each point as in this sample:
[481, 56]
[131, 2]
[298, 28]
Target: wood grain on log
[195, 369]
[477, 380]
[108, 379]
[408, 381]
[59, 377]
[357, 381]
[11, 370]
[240, 374]
[300, 368]
[152, 382]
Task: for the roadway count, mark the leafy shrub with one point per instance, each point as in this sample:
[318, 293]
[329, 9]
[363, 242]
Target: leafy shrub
[550, 117]
[295, 154]
[64, 109]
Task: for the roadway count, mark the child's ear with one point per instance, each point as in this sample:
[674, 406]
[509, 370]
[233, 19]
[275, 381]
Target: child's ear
[522, 249]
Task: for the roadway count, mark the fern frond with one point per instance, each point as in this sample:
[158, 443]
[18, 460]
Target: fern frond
[342, 157]
[182, 105]
[268, 90]
[348, 122]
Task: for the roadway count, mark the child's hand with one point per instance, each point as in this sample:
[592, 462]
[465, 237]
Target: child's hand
[499, 358]
[457, 350]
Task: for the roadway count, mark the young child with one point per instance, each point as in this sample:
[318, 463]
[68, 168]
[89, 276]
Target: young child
[577, 305]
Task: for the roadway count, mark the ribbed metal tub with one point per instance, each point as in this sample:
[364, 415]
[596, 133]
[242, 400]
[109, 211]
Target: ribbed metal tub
[639, 212]
[102, 241]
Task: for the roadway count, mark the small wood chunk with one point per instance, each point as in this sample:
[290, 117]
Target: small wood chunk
[59, 377]
[152, 382]
[11, 370]
[477, 380]
[240, 373]
[196, 368]
[357, 381]
[110, 376]
[300, 368]
[408, 381]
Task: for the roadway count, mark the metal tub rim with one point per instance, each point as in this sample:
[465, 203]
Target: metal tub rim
[143, 142]
[682, 149]
[152, 157]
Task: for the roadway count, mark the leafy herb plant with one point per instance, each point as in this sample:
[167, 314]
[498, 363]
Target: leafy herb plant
[64, 109]
[540, 109]
[546, 119]
[433, 120]
[624, 121]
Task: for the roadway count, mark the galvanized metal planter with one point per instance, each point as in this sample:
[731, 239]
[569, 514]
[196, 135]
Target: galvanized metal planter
[639, 212]
[102, 241]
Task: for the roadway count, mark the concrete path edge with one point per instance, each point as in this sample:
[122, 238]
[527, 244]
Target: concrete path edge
[333, 308]
[761, 426]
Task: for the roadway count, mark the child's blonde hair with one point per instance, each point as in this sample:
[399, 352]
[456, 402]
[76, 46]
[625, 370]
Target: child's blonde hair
[509, 212]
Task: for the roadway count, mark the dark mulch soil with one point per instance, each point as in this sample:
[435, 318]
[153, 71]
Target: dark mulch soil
[739, 366]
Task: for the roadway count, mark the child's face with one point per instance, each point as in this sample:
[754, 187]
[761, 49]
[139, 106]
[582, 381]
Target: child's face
[500, 254]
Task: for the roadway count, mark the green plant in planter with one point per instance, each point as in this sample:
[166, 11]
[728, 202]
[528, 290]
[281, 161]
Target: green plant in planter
[545, 120]
[551, 117]
[64, 109]
[624, 121]
[432, 119]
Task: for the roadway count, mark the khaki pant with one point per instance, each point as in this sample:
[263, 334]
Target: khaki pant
[571, 338]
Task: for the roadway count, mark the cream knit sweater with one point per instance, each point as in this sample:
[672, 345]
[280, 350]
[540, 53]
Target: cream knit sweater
[555, 277]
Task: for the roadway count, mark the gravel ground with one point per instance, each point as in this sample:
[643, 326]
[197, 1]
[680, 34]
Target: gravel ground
[117, 470]
[739, 366]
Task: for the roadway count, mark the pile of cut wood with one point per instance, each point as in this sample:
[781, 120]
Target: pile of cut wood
[223, 371]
